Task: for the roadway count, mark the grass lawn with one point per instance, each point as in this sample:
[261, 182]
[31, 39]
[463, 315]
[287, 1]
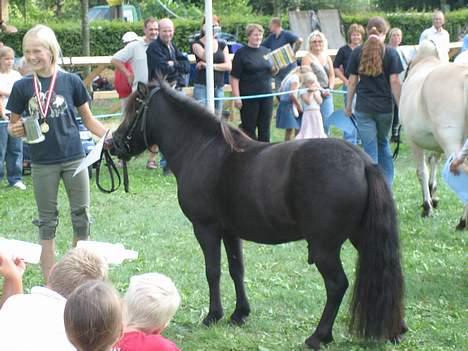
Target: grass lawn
[286, 294]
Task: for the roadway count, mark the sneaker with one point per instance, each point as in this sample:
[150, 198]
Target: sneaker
[19, 185]
[151, 165]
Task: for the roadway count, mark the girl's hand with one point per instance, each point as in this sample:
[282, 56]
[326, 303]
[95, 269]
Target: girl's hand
[238, 103]
[200, 65]
[16, 129]
[325, 92]
[454, 166]
[348, 112]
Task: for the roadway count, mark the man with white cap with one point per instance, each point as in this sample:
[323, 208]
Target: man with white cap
[135, 54]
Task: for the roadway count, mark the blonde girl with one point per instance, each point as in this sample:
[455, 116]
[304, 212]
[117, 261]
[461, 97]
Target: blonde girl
[322, 65]
[52, 96]
[312, 124]
[11, 149]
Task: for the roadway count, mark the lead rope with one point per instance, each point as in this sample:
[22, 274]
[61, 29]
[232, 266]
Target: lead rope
[111, 169]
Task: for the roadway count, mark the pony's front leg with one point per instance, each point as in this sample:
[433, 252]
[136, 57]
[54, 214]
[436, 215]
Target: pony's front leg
[209, 238]
[423, 177]
[233, 246]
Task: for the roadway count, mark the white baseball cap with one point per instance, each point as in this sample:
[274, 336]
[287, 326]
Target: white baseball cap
[129, 36]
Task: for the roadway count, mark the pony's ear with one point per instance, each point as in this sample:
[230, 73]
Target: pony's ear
[142, 90]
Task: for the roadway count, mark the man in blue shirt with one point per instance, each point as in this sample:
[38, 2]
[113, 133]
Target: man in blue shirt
[279, 37]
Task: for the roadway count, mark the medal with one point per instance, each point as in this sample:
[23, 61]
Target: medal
[44, 109]
[44, 127]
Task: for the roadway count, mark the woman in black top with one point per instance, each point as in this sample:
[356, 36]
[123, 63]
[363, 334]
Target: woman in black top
[251, 75]
[221, 64]
[373, 76]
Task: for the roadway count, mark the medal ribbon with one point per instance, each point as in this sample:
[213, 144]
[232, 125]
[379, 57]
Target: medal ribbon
[37, 90]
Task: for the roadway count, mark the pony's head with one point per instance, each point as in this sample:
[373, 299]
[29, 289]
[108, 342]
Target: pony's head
[130, 138]
[427, 49]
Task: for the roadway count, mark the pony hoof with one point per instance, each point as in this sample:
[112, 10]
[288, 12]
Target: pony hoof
[427, 210]
[461, 225]
[435, 203]
[315, 342]
[239, 317]
[212, 318]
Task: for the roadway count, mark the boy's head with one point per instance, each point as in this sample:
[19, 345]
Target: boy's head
[78, 266]
[151, 301]
[93, 316]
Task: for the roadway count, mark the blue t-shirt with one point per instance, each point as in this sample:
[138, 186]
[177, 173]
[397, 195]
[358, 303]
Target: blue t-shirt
[62, 142]
[374, 94]
[272, 42]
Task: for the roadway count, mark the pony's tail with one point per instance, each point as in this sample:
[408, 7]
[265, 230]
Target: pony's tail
[377, 301]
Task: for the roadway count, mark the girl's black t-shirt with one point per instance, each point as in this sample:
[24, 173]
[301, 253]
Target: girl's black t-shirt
[253, 69]
[218, 57]
[374, 94]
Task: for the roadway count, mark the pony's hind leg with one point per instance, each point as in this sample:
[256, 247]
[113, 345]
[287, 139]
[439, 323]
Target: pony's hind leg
[423, 177]
[433, 161]
[329, 265]
[210, 241]
[463, 224]
[233, 246]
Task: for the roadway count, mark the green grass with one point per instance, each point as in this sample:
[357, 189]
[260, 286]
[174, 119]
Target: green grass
[286, 294]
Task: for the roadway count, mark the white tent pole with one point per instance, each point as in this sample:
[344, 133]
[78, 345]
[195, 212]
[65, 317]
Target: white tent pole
[209, 54]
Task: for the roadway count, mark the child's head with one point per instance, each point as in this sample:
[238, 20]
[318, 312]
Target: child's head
[7, 57]
[93, 317]
[151, 301]
[78, 266]
[40, 47]
[309, 79]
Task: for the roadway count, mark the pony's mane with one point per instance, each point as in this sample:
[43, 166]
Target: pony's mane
[203, 118]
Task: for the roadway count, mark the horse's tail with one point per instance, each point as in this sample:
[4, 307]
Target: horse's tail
[377, 301]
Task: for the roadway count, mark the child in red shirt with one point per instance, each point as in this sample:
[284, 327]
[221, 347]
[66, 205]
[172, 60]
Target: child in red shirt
[151, 301]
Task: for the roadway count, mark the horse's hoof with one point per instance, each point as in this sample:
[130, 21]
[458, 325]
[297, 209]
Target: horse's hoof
[239, 317]
[435, 203]
[212, 318]
[461, 225]
[427, 210]
[314, 342]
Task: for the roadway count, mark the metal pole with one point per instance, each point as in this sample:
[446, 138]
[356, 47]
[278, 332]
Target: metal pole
[209, 54]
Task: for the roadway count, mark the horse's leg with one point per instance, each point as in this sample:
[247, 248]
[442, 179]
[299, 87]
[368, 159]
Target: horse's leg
[433, 163]
[233, 247]
[463, 224]
[210, 241]
[329, 265]
[423, 177]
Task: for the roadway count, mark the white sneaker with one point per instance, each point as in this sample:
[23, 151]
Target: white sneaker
[19, 185]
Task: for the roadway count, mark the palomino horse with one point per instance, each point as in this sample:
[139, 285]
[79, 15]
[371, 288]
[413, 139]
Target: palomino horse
[231, 187]
[434, 114]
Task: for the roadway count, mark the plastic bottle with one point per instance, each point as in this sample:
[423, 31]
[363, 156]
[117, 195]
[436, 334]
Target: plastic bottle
[112, 253]
[29, 252]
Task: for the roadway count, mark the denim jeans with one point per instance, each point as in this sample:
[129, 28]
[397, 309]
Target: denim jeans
[11, 154]
[326, 109]
[199, 94]
[374, 129]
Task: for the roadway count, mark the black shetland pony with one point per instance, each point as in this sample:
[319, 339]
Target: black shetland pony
[230, 187]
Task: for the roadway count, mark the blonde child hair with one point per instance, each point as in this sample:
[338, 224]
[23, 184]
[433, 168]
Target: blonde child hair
[5, 51]
[44, 36]
[93, 317]
[151, 301]
[309, 77]
[78, 266]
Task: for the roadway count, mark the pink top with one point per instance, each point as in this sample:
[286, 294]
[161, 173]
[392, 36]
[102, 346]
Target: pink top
[139, 341]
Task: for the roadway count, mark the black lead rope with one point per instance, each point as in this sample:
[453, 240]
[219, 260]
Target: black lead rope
[396, 152]
[113, 172]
